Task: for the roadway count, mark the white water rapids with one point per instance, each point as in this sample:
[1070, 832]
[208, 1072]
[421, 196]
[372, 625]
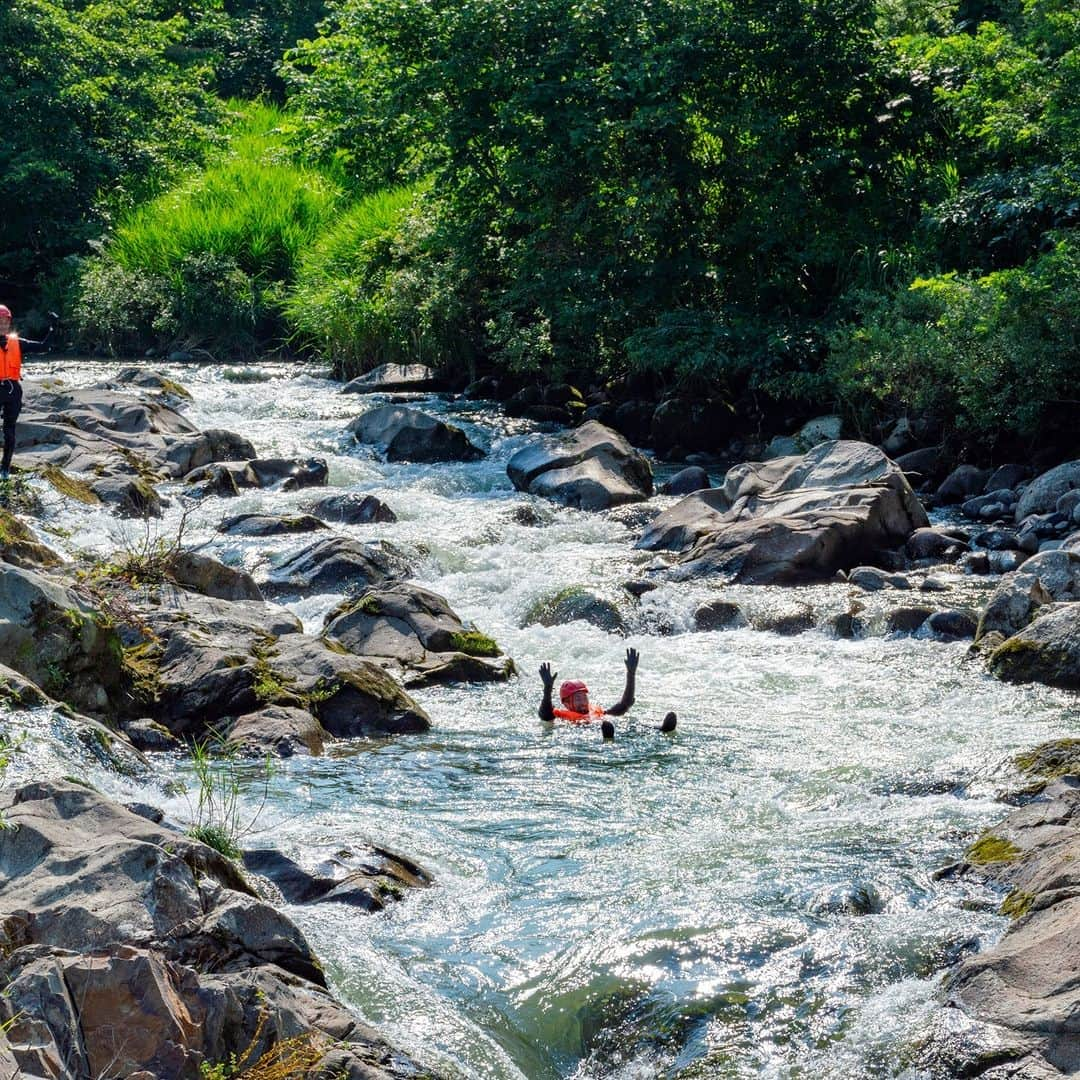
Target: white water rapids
[657, 906]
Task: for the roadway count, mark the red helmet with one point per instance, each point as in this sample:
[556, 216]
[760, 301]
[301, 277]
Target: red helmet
[5, 311]
[570, 688]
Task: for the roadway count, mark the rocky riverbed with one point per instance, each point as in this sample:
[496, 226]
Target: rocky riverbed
[280, 587]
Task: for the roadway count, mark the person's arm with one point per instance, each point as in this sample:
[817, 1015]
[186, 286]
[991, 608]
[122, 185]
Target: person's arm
[547, 710]
[627, 698]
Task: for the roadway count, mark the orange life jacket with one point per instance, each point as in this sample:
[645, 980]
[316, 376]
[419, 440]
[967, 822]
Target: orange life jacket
[579, 717]
[11, 358]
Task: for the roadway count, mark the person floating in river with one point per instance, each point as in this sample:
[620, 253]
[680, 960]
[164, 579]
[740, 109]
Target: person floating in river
[12, 348]
[576, 707]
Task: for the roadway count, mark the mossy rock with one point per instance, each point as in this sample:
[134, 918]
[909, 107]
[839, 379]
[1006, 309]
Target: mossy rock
[1049, 760]
[1046, 651]
[1017, 904]
[68, 485]
[473, 643]
[20, 547]
[575, 603]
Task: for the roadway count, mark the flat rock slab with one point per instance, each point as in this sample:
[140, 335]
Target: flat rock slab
[270, 525]
[592, 468]
[792, 520]
[334, 564]
[393, 377]
[402, 434]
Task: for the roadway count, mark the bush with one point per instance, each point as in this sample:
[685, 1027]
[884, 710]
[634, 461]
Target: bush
[992, 359]
[207, 263]
[373, 289]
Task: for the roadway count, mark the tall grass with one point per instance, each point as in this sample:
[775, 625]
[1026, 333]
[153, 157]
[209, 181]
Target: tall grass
[209, 262]
[357, 296]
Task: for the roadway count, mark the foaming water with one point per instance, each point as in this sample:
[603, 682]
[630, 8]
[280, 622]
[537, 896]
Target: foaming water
[677, 906]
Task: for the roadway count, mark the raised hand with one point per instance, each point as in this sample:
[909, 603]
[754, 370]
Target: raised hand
[632, 660]
[548, 676]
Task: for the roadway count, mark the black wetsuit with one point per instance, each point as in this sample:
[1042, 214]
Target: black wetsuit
[11, 397]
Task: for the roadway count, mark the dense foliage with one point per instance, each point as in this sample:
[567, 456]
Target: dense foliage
[871, 203]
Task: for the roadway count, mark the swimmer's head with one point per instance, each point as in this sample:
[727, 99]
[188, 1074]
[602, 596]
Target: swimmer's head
[574, 695]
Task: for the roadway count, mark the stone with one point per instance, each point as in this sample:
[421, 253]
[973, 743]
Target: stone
[210, 577]
[21, 547]
[1042, 494]
[593, 468]
[402, 434]
[1005, 562]
[974, 562]
[907, 620]
[50, 635]
[995, 539]
[576, 603]
[387, 378]
[1003, 499]
[787, 621]
[933, 584]
[1045, 578]
[1047, 650]
[935, 544]
[336, 564]
[791, 520]
[781, 446]
[872, 579]
[212, 480]
[148, 735]
[638, 587]
[410, 628]
[351, 508]
[819, 430]
[368, 878]
[270, 525]
[288, 474]
[127, 496]
[278, 730]
[921, 465]
[962, 483]
[690, 479]
[720, 615]
[899, 438]
[689, 423]
[1008, 476]
[951, 625]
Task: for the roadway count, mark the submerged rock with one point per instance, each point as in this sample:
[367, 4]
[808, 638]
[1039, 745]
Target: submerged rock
[270, 525]
[593, 468]
[720, 615]
[576, 603]
[402, 434]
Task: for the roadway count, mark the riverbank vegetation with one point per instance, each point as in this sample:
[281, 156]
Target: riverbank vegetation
[871, 206]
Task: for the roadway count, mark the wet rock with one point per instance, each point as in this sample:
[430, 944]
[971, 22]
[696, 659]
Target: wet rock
[961, 484]
[287, 474]
[635, 516]
[872, 579]
[530, 516]
[335, 564]
[20, 547]
[792, 520]
[787, 621]
[148, 379]
[633, 420]
[995, 539]
[720, 615]
[934, 584]
[907, 620]
[989, 506]
[1043, 579]
[186, 453]
[278, 730]
[576, 604]
[402, 434]
[1005, 562]
[594, 468]
[351, 508]
[856, 899]
[210, 577]
[54, 638]
[415, 630]
[557, 403]
[922, 465]
[270, 525]
[127, 496]
[638, 587]
[899, 438]
[951, 625]
[974, 562]
[1008, 476]
[212, 480]
[688, 480]
[1047, 650]
[942, 545]
[148, 735]
[119, 917]
[368, 878]
[1042, 494]
[388, 378]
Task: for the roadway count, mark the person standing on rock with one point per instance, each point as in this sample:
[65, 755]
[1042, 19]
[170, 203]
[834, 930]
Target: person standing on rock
[576, 708]
[12, 348]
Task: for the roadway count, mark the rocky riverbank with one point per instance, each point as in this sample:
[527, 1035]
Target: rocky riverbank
[162, 646]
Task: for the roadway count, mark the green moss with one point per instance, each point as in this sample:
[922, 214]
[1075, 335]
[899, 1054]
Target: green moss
[270, 685]
[473, 643]
[174, 389]
[69, 486]
[368, 604]
[1049, 760]
[216, 837]
[80, 782]
[1017, 904]
[141, 664]
[992, 849]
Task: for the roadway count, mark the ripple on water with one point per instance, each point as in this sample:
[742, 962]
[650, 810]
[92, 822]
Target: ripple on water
[656, 906]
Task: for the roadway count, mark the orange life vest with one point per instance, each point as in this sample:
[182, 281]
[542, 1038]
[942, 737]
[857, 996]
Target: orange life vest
[11, 358]
[579, 717]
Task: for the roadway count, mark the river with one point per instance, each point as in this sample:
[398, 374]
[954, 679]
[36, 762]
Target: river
[657, 906]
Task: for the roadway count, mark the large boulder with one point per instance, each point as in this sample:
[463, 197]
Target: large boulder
[1043, 579]
[402, 434]
[1042, 494]
[270, 525]
[210, 577]
[57, 640]
[1046, 650]
[593, 468]
[278, 730]
[132, 950]
[388, 378]
[334, 564]
[793, 519]
[282, 474]
[576, 603]
[415, 631]
[351, 508]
